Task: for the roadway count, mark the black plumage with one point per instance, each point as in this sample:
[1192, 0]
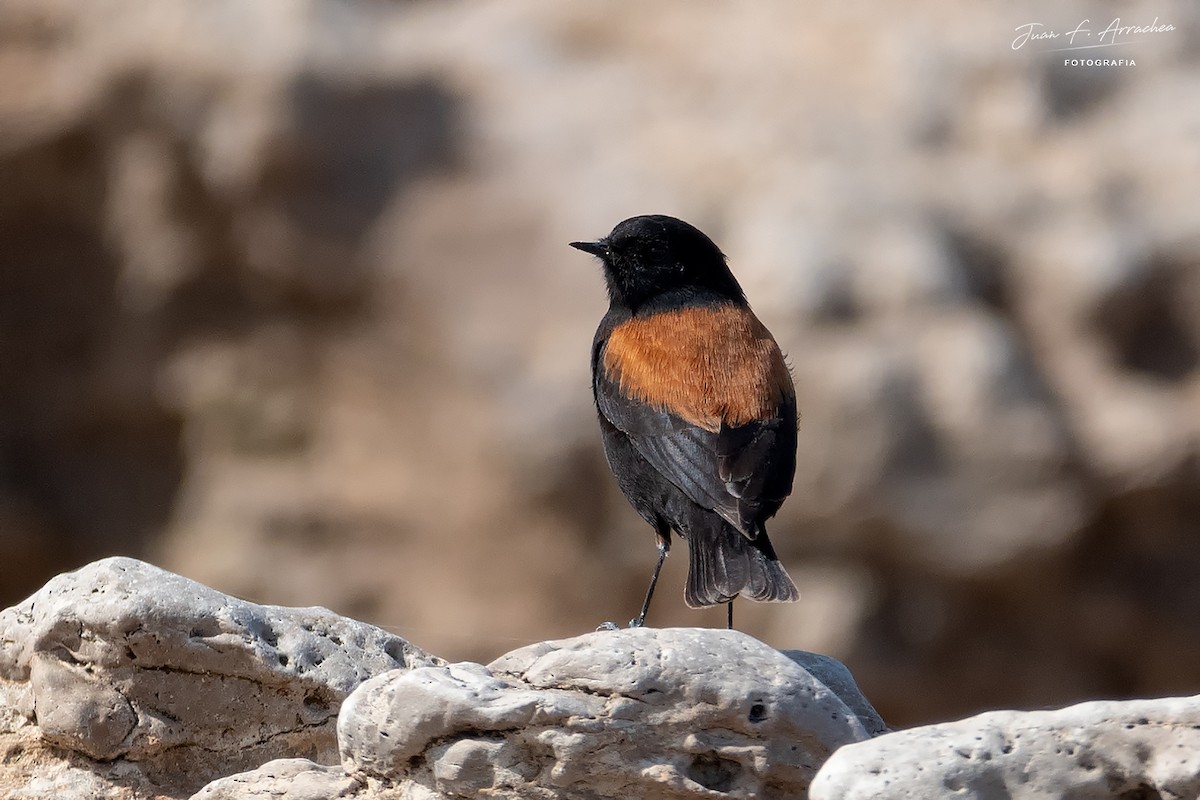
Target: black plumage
[696, 406]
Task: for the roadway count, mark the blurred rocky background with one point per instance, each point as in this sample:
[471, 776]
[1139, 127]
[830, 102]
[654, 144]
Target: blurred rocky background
[286, 306]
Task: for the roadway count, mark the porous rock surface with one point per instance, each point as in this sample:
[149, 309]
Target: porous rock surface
[670, 713]
[295, 779]
[1104, 750]
[123, 681]
[143, 677]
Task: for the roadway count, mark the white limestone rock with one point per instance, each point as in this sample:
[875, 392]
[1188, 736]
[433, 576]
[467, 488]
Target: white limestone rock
[671, 713]
[121, 662]
[1103, 750]
[283, 779]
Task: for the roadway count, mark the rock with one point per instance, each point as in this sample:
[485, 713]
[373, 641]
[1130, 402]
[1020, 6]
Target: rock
[124, 681]
[834, 675]
[1091, 751]
[284, 779]
[151, 673]
[669, 713]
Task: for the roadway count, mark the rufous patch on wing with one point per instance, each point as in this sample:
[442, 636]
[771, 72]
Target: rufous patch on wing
[705, 364]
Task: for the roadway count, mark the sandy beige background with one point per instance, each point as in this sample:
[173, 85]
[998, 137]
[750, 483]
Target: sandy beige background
[286, 306]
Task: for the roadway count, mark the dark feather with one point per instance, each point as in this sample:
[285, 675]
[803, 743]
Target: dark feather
[703, 439]
[741, 473]
[723, 564]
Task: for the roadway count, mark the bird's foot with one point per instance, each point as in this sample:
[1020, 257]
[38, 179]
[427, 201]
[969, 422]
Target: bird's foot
[607, 626]
[637, 622]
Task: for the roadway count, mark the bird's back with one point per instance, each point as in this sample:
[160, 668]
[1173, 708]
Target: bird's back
[696, 405]
[698, 414]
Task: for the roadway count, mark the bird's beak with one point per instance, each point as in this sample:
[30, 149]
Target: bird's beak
[598, 248]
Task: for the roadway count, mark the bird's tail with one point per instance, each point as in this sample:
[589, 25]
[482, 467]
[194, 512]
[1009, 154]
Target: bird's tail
[722, 564]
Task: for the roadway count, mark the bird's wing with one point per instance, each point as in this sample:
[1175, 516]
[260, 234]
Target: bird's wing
[688, 419]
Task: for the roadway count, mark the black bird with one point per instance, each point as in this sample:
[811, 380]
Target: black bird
[697, 408]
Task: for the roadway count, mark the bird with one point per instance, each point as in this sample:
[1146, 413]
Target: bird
[697, 409]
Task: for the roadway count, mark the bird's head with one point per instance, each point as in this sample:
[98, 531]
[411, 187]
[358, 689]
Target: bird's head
[658, 260]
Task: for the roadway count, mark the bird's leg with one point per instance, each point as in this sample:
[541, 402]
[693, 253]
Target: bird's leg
[663, 547]
[729, 618]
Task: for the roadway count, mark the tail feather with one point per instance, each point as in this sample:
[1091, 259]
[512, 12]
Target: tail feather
[722, 564]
